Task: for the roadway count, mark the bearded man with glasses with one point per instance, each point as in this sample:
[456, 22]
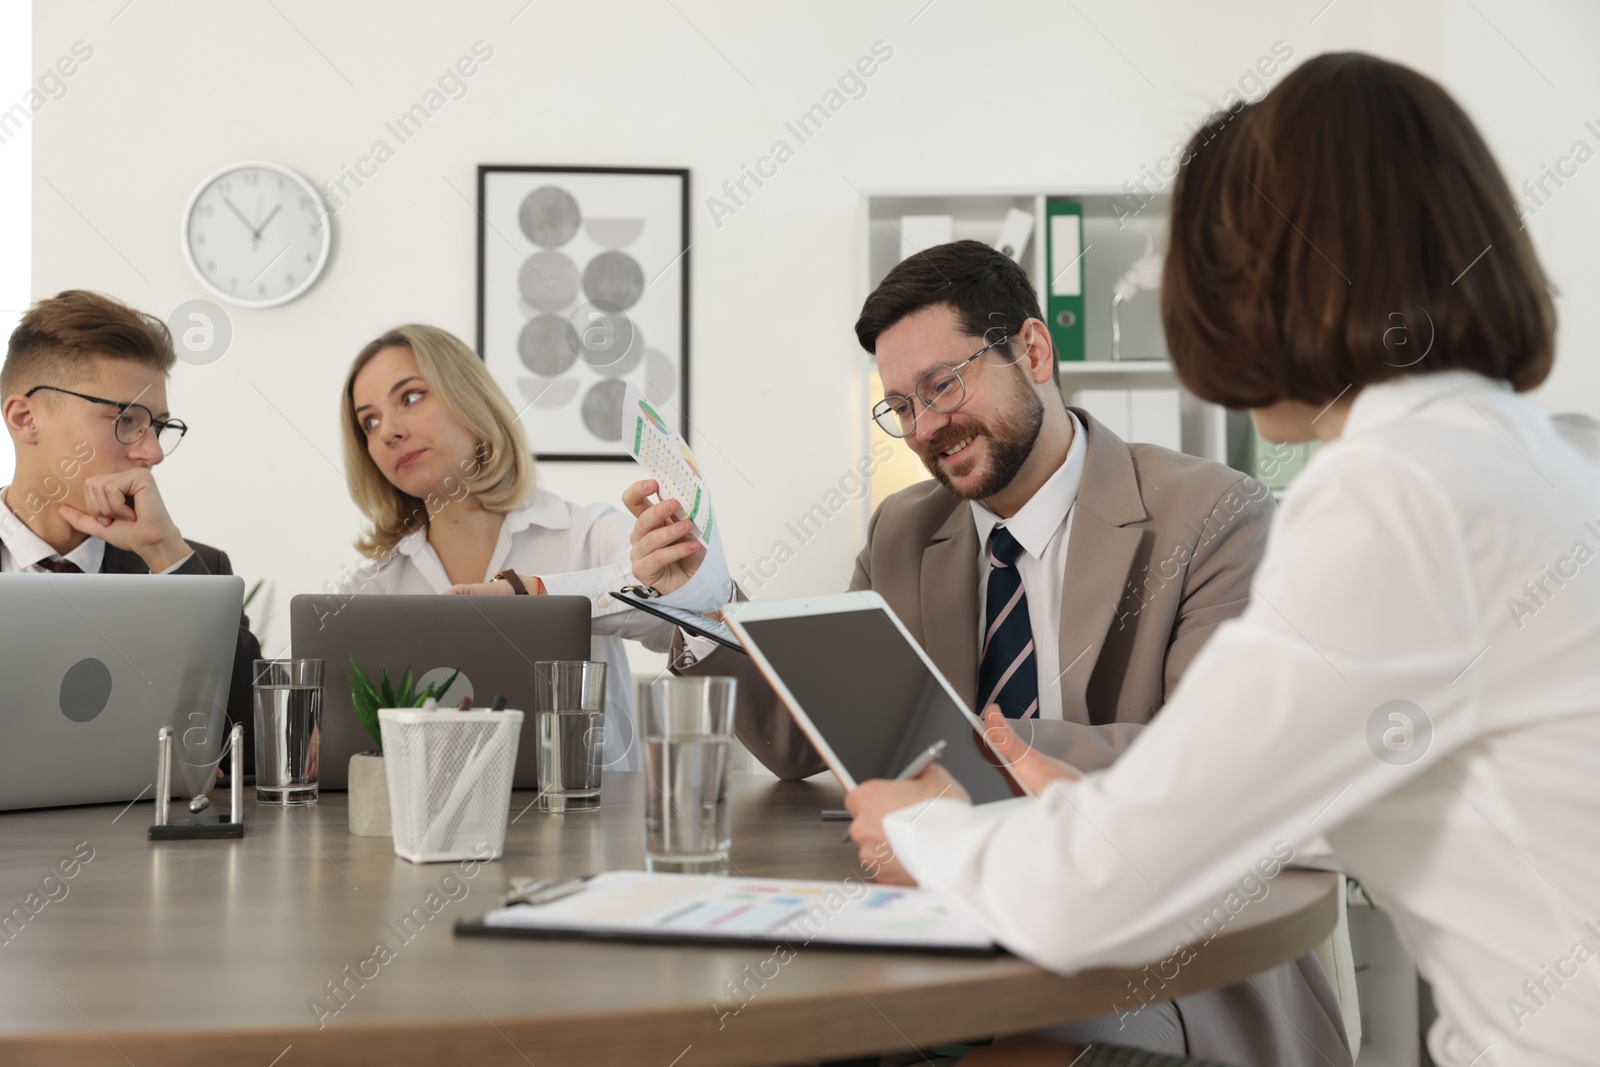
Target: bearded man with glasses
[83, 392]
[1050, 570]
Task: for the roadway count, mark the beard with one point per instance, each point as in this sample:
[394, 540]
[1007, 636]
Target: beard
[1011, 439]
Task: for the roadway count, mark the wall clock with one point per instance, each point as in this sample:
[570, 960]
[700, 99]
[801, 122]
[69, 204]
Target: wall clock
[256, 234]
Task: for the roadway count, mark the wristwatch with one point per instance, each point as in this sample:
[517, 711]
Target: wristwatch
[514, 580]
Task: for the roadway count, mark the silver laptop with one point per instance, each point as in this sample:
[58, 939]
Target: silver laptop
[93, 665]
[493, 641]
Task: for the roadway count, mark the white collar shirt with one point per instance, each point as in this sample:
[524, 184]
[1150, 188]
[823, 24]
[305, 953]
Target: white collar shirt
[22, 551]
[1042, 527]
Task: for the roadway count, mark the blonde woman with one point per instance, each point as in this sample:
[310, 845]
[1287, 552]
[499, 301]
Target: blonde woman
[439, 467]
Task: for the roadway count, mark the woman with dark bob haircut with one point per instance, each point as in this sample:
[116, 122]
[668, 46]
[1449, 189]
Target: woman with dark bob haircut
[1417, 675]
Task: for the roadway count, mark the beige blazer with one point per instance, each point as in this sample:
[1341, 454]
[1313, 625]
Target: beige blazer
[1161, 550]
[1160, 553]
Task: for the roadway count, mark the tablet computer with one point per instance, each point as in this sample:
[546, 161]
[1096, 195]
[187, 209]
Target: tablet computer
[692, 621]
[864, 691]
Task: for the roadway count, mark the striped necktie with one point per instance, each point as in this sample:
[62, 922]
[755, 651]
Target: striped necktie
[60, 566]
[1008, 672]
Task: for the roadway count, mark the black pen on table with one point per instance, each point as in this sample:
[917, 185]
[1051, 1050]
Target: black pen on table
[923, 761]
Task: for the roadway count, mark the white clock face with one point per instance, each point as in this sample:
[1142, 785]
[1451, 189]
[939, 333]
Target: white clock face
[256, 234]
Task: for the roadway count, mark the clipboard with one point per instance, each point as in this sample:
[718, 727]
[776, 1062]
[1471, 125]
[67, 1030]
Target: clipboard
[636, 906]
[692, 621]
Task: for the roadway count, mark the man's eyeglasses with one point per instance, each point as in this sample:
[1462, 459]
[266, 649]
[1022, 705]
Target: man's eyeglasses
[133, 420]
[940, 388]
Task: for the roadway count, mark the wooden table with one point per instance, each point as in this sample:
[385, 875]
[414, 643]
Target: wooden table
[217, 952]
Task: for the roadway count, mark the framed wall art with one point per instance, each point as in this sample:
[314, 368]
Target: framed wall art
[583, 287]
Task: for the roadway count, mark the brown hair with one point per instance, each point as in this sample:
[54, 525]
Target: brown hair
[1349, 228]
[981, 285]
[58, 339]
[499, 475]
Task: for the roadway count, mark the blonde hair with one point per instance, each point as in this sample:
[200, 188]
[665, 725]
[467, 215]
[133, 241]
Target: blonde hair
[500, 474]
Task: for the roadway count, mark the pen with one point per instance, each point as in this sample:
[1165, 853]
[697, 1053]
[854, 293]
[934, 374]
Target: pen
[499, 703]
[920, 764]
[914, 768]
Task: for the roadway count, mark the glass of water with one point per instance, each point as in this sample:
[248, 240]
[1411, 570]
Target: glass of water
[687, 728]
[288, 698]
[569, 700]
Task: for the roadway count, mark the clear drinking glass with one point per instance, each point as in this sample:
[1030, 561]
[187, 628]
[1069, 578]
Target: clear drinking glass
[288, 704]
[569, 715]
[686, 725]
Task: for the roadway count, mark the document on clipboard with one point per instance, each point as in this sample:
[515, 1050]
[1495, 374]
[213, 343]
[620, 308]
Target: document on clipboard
[684, 908]
[693, 621]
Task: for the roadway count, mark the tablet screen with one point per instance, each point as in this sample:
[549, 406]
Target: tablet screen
[872, 697]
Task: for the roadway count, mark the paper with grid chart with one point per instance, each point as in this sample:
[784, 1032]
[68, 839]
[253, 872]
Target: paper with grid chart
[635, 905]
[665, 454]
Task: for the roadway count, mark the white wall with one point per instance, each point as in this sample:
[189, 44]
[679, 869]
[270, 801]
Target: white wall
[1012, 94]
[1525, 71]
[16, 165]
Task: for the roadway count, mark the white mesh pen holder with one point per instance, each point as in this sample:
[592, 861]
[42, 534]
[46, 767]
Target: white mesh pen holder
[449, 781]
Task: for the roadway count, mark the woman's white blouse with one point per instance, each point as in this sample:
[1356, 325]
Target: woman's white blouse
[578, 550]
[1417, 676]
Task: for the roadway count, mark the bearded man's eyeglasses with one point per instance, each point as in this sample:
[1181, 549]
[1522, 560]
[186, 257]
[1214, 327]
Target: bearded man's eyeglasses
[939, 389]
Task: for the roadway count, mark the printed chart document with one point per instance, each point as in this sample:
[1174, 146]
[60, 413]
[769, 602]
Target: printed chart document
[665, 454]
[636, 906]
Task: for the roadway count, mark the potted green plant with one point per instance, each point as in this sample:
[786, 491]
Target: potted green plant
[368, 778]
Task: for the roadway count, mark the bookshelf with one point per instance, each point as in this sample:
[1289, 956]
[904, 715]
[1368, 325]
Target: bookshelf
[1117, 230]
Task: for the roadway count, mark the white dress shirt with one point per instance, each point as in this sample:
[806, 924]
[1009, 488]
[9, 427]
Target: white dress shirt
[23, 552]
[577, 550]
[1417, 675]
[1042, 527]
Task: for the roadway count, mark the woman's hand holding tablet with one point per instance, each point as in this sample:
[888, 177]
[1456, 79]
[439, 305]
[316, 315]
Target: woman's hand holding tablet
[870, 802]
[1027, 764]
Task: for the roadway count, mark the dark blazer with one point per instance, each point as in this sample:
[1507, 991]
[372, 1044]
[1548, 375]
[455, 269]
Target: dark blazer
[208, 560]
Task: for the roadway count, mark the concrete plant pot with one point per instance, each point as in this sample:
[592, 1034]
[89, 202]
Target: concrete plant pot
[369, 796]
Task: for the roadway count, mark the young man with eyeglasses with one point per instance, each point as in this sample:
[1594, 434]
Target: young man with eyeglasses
[83, 392]
[1048, 568]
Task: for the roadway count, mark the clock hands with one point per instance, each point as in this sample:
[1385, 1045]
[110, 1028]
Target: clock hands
[268, 267]
[240, 215]
[255, 231]
[266, 220]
